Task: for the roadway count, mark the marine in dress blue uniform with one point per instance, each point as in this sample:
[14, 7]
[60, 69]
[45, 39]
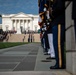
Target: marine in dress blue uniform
[58, 29]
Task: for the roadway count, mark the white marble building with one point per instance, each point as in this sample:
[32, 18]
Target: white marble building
[20, 21]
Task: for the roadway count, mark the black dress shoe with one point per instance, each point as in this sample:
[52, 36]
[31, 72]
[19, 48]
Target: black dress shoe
[46, 54]
[50, 58]
[55, 67]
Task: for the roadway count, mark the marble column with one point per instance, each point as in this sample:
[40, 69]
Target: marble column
[24, 24]
[12, 24]
[31, 25]
[15, 25]
[28, 25]
[18, 27]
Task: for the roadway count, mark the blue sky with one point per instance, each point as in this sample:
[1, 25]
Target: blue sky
[17, 6]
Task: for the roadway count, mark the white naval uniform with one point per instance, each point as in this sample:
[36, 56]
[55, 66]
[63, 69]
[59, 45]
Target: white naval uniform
[51, 49]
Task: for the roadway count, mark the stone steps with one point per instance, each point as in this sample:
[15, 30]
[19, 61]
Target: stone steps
[22, 38]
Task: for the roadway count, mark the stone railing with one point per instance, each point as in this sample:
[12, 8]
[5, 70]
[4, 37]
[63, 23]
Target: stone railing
[70, 42]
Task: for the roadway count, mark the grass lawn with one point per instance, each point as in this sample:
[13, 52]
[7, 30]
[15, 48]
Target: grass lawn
[10, 44]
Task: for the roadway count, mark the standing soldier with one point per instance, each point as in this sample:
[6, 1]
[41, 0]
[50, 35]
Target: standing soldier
[49, 29]
[45, 18]
[58, 29]
[42, 13]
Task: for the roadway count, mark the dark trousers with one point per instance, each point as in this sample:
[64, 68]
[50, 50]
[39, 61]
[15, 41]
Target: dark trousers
[58, 41]
[75, 28]
[46, 42]
[42, 42]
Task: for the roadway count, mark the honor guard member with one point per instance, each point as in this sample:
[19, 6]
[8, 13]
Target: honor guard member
[40, 23]
[58, 29]
[42, 14]
[47, 20]
[49, 29]
[50, 39]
